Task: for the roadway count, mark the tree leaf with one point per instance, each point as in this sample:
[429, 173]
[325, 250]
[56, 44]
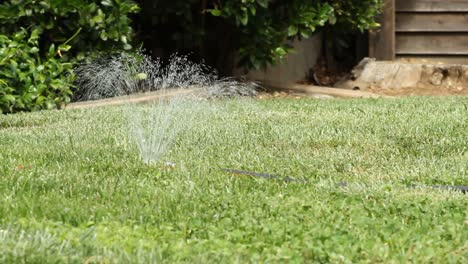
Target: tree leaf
[216, 12]
[292, 30]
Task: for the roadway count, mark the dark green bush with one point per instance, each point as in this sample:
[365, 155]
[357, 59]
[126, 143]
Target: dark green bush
[105, 24]
[37, 74]
[257, 30]
[29, 82]
[264, 25]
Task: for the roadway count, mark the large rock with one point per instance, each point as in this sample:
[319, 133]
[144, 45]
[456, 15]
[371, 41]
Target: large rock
[370, 74]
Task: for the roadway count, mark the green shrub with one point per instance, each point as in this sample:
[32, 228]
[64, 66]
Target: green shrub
[34, 72]
[105, 24]
[29, 82]
[265, 25]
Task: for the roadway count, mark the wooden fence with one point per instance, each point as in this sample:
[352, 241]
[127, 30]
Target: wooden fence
[428, 29]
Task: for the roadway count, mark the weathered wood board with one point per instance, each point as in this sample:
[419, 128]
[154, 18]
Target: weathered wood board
[438, 43]
[432, 29]
[432, 22]
[432, 5]
[382, 40]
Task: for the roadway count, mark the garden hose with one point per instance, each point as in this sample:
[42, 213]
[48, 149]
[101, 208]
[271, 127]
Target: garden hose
[463, 189]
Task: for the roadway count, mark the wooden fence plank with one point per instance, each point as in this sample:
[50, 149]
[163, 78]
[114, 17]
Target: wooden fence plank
[432, 43]
[432, 22]
[382, 41]
[432, 5]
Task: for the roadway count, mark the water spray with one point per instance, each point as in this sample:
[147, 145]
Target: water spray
[154, 126]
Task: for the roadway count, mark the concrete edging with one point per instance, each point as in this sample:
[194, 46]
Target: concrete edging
[138, 98]
[322, 90]
[158, 95]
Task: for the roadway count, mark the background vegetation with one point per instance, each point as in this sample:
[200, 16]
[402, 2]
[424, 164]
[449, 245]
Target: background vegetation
[38, 35]
[249, 33]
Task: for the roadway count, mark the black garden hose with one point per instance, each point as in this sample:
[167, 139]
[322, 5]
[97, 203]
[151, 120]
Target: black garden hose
[463, 189]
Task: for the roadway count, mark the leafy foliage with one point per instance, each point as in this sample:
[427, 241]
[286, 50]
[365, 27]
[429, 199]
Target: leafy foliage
[29, 82]
[34, 72]
[356, 14]
[105, 24]
[266, 24]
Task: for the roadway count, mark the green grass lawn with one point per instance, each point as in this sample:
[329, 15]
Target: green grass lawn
[73, 188]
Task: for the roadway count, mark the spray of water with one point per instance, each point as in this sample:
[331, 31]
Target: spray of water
[154, 126]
